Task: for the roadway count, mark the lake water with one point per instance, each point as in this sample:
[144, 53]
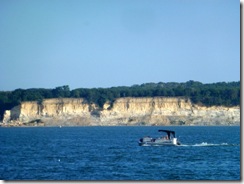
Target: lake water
[112, 153]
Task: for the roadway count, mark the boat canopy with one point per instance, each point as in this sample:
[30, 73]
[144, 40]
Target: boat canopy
[168, 132]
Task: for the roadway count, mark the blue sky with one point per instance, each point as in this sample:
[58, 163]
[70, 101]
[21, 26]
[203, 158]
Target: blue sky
[105, 43]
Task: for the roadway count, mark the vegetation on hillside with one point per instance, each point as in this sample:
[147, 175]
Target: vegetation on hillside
[221, 93]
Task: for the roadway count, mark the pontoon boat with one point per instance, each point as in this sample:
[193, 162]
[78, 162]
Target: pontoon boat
[168, 140]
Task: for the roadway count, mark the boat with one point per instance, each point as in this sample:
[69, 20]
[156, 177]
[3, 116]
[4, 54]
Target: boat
[168, 140]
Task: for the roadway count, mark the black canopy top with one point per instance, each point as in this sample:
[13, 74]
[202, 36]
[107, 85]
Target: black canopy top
[168, 132]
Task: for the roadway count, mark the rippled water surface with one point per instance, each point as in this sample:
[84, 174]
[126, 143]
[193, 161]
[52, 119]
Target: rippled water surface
[112, 153]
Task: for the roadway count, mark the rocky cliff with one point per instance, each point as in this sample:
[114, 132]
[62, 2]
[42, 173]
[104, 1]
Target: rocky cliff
[123, 111]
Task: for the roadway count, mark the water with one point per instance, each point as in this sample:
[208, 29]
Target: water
[112, 153]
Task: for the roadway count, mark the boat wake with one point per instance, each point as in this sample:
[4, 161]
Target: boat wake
[209, 144]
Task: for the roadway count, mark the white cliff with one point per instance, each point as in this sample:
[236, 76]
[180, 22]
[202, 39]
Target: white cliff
[124, 111]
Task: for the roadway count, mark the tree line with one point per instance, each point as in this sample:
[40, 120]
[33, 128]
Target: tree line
[221, 93]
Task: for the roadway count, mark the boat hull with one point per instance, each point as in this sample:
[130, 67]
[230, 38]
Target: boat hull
[158, 142]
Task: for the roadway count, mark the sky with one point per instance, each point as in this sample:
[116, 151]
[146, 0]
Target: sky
[106, 43]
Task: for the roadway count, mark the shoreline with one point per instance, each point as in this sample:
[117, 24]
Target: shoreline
[61, 126]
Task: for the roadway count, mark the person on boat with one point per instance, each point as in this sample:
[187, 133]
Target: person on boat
[165, 137]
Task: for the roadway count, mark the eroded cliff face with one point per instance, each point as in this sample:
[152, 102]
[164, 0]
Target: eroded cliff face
[124, 111]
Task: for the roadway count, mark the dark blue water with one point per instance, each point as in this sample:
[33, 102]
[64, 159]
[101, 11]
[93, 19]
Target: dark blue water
[112, 153]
